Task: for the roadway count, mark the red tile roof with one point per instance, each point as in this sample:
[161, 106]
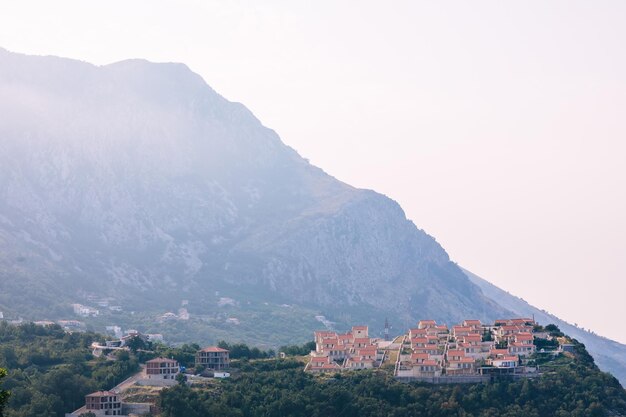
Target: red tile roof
[510, 358]
[521, 321]
[463, 329]
[102, 394]
[359, 359]
[518, 344]
[161, 360]
[424, 356]
[463, 360]
[320, 359]
[213, 349]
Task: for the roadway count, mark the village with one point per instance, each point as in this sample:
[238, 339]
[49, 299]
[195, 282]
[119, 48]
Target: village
[470, 352]
[431, 352]
[156, 374]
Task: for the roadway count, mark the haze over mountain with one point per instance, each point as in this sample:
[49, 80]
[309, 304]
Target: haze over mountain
[137, 181]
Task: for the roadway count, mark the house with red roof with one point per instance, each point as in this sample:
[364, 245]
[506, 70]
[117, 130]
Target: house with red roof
[474, 324]
[161, 372]
[359, 331]
[357, 362]
[504, 361]
[464, 365]
[213, 357]
[467, 349]
[104, 403]
[424, 324]
[322, 364]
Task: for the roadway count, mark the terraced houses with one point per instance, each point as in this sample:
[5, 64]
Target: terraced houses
[470, 348]
[352, 350]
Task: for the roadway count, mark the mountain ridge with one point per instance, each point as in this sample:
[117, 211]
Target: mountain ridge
[137, 181]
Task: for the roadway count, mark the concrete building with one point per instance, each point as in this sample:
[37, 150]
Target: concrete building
[104, 403]
[213, 357]
[162, 369]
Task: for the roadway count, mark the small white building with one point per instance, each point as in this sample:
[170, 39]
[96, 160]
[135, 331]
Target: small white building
[155, 337]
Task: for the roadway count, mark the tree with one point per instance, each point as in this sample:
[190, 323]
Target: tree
[181, 378]
[136, 343]
[4, 395]
[487, 337]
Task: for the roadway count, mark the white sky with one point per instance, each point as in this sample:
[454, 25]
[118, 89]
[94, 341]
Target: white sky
[499, 126]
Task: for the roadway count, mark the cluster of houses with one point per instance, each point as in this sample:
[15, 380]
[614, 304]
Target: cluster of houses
[470, 348]
[429, 350]
[352, 350]
[159, 372]
[433, 350]
[102, 302]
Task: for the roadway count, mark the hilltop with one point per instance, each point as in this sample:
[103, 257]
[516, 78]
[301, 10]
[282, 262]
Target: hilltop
[50, 371]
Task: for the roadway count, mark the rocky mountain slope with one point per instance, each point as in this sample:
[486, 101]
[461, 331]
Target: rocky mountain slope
[138, 178]
[137, 182]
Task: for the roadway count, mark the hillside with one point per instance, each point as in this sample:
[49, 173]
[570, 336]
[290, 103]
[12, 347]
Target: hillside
[577, 390]
[136, 181]
[50, 371]
[608, 354]
[136, 186]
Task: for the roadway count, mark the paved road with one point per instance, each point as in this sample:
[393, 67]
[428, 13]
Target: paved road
[127, 383]
[130, 381]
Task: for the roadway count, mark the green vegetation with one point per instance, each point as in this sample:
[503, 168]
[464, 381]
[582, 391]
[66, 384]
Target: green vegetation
[487, 336]
[298, 350]
[50, 371]
[243, 351]
[260, 322]
[4, 395]
[572, 387]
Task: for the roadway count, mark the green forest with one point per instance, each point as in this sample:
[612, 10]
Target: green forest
[49, 372]
[577, 389]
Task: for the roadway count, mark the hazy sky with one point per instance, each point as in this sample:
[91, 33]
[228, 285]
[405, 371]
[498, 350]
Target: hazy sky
[499, 126]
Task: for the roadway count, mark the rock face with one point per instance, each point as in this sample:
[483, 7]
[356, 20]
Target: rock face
[137, 178]
[137, 181]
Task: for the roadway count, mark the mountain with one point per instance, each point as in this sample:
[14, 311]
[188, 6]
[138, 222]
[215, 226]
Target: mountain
[136, 185]
[138, 179]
